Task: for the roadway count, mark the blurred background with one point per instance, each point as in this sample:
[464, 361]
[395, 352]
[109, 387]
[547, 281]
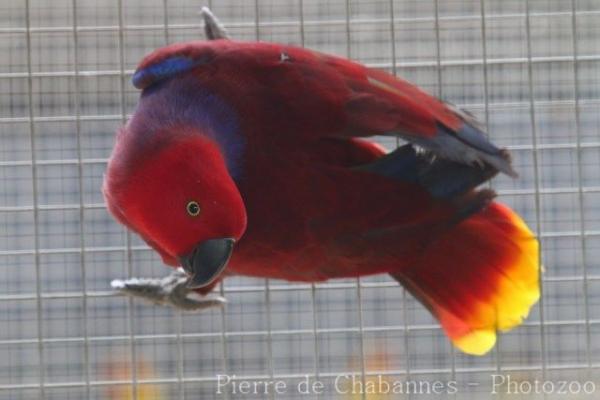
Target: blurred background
[529, 69]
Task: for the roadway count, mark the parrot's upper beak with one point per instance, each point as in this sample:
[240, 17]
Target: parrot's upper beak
[206, 262]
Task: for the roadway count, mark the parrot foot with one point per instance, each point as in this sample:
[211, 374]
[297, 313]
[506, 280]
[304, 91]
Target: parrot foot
[213, 29]
[171, 290]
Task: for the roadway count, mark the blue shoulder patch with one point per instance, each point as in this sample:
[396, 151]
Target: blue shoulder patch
[185, 102]
[142, 78]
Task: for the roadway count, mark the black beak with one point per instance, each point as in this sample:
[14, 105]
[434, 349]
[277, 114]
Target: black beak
[206, 262]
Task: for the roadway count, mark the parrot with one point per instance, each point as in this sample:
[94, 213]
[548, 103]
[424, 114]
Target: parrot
[251, 158]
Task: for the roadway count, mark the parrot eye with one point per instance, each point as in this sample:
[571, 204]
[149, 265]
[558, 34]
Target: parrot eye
[193, 208]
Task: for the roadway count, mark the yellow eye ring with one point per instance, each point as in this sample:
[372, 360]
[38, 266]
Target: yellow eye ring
[193, 208]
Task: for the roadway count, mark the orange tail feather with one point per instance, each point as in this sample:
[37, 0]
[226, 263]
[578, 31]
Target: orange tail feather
[479, 277]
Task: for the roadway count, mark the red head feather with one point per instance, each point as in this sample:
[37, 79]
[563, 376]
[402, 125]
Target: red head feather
[154, 194]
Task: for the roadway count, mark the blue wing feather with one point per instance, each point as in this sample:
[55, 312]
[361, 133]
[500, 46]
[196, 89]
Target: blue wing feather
[167, 68]
[442, 178]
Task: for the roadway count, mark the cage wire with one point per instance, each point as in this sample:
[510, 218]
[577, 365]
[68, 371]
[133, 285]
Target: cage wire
[529, 69]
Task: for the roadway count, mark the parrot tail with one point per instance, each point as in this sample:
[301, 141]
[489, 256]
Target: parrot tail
[478, 277]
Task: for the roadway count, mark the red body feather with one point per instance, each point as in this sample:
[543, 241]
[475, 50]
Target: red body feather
[318, 95]
[311, 213]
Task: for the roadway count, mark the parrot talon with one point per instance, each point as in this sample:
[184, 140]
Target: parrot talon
[213, 28]
[171, 290]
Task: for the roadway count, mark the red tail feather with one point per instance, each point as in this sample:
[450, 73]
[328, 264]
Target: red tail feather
[478, 278]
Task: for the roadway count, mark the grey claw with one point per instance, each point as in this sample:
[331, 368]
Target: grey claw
[213, 29]
[171, 290]
[184, 299]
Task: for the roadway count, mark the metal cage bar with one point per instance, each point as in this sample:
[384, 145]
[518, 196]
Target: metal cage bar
[312, 327]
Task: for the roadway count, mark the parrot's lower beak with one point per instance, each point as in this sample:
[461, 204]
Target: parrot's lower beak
[206, 262]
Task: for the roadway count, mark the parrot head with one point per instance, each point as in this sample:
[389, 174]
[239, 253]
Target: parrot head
[175, 191]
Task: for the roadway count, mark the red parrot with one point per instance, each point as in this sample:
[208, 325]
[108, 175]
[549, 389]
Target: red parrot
[249, 158]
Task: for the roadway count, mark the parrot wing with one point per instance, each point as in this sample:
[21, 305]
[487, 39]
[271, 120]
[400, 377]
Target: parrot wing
[380, 103]
[324, 95]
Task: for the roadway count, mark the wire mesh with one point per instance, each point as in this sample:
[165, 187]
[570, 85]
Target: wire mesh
[529, 69]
